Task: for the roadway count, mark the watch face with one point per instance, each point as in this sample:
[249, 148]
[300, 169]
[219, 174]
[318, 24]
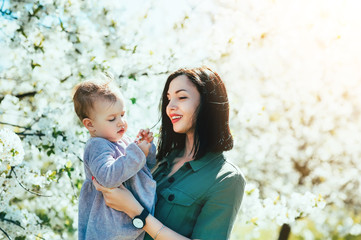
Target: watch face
[138, 223]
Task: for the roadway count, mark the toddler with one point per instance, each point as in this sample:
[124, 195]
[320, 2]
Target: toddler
[112, 159]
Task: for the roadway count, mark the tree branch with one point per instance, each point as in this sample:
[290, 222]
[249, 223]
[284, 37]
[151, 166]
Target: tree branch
[72, 184]
[13, 125]
[13, 222]
[7, 235]
[16, 177]
[31, 134]
[79, 158]
[27, 94]
[22, 95]
[17, 224]
[285, 232]
[6, 11]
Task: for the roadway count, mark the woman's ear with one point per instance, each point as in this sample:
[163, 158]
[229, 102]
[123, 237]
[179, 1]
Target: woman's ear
[88, 123]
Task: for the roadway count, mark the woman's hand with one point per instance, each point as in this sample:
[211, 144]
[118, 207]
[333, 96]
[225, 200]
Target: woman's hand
[120, 199]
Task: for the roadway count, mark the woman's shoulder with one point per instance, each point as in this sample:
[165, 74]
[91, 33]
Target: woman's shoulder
[215, 169]
[228, 171]
[223, 179]
[230, 167]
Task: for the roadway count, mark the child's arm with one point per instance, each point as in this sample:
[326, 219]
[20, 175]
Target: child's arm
[112, 172]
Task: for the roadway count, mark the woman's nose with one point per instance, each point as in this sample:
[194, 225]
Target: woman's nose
[172, 105]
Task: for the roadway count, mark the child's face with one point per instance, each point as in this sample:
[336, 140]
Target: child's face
[108, 120]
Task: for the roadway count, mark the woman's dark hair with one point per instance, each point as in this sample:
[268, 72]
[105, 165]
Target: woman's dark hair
[212, 132]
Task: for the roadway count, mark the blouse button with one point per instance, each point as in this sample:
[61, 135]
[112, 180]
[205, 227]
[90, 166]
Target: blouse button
[171, 197]
[171, 179]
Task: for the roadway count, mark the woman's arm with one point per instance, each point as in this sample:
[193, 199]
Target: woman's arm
[132, 208]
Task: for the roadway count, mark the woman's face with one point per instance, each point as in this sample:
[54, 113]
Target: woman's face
[184, 100]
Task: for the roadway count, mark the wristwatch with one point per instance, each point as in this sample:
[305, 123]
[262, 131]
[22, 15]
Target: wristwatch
[139, 221]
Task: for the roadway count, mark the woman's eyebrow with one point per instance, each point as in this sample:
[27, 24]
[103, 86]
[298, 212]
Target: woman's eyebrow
[180, 90]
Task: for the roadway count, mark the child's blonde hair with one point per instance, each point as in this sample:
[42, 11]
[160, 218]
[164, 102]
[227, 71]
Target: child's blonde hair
[87, 92]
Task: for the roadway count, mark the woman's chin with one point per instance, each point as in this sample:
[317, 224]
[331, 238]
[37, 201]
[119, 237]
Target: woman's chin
[179, 130]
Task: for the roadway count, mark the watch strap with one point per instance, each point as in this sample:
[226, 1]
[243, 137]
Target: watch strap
[140, 218]
[143, 215]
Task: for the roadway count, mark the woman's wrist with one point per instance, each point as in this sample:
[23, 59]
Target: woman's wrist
[158, 230]
[135, 211]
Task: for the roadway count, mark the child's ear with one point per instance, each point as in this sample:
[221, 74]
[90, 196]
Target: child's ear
[88, 123]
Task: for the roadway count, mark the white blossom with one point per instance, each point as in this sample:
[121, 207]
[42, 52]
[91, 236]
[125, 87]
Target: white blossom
[291, 69]
[11, 149]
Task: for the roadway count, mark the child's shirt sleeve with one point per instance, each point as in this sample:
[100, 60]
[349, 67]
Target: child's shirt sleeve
[151, 160]
[108, 170]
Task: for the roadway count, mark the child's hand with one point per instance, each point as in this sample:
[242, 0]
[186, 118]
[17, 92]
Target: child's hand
[144, 146]
[144, 135]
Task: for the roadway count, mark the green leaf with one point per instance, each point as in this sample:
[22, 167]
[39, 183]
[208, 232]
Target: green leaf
[14, 152]
[20, 238]
[132, 76]
[34, 65]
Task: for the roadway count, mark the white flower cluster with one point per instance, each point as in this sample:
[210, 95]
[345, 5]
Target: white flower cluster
[14, 179]
[294, 97]
[11, 150]
[280, 209]
[19, 222]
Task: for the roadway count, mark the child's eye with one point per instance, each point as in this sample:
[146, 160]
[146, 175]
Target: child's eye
[111, 120]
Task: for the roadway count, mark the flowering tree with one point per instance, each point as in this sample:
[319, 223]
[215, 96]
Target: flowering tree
[298, 113]
[292, 116]
[16, 176]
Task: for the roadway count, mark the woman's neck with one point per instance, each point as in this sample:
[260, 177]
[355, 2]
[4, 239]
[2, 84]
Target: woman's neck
[184, 156]
[188, 150]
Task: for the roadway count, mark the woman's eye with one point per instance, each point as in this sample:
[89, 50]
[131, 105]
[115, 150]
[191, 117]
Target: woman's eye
[182, 97]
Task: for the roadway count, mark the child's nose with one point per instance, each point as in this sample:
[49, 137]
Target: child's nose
[120, 122]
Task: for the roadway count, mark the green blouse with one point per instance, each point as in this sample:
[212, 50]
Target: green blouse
[200, 200]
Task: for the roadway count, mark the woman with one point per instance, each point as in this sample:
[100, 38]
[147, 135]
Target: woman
[199, 192]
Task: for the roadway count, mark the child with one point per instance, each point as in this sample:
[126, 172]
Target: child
[113, 160]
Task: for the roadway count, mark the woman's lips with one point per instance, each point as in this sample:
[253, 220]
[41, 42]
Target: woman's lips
[175, 118]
